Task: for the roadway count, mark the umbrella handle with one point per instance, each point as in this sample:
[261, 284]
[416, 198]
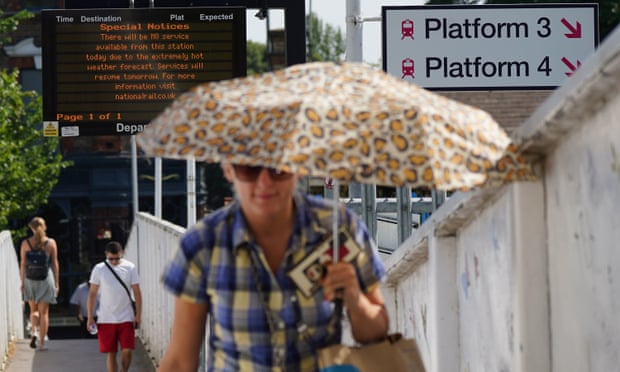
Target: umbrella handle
[335, 242]
[336, 317]
[338, 299]
[338, 305]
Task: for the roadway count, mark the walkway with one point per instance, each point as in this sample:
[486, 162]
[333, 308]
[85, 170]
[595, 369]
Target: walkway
[75, 355]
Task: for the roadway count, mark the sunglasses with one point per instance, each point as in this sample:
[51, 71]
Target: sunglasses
[249, 173]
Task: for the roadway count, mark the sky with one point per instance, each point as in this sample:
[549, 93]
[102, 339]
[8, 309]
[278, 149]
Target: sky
[333, 12]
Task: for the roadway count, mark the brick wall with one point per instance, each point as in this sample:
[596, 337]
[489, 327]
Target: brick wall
[508, 108]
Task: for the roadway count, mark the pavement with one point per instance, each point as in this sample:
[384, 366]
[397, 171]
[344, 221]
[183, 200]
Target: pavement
[73, 355]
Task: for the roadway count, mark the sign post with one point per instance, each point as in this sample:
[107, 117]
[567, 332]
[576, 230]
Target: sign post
[485, 47]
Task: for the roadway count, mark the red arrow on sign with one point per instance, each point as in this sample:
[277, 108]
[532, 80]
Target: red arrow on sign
[571, 66]
[575, 32]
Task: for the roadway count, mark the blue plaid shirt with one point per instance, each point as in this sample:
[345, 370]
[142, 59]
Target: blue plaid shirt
[214, 265]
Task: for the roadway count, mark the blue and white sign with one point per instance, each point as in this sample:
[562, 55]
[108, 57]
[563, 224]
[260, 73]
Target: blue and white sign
[479, 47]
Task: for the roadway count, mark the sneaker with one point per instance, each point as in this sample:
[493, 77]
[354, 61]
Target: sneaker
[33, 342]
[42, 348]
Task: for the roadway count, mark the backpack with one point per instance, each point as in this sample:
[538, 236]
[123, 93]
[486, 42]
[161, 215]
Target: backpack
[37, 263]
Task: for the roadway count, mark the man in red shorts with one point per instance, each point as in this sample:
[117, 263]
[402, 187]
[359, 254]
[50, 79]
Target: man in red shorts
[115, 279]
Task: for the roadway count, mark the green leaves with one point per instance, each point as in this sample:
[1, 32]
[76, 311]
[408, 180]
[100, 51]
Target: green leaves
[29, 163]
[256, 58]
[326, 42]
[9, 24]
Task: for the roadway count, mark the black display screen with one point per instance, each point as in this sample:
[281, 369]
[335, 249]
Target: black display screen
[111, 71]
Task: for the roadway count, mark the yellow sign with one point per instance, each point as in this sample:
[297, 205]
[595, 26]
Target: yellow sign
[50, 129]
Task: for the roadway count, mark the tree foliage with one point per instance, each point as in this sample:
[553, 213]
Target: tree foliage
[608, 10]
[9, 24]
[256, 58]
[326, 42]
[29, 163]
[609, 16]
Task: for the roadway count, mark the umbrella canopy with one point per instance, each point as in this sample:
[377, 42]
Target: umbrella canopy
[346, 121]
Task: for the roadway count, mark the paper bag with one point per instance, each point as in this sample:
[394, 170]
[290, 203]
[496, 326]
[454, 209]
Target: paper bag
[394, 354]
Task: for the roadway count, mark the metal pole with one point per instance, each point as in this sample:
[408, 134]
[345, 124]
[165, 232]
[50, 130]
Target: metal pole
[158, 177]
[191, 220]
[335, 242]
[269, 49]
[354, 54]
[354, 31]
[354, 41]
[134, 192]
[309, 37]
[403, 213]
[295, 26]
[191, 192]
[134, 176]
[439, 197]
[369, 209]
[158, 187]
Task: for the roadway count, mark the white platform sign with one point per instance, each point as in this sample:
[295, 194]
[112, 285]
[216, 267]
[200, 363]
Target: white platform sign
[475, 47]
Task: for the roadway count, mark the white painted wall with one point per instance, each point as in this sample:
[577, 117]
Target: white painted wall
[150, 245]
[11, 305]
[484, 254]
[583, 203]
[527, 277]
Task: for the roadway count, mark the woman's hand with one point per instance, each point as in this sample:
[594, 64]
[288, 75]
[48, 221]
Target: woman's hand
[342, 276]
[367, 314]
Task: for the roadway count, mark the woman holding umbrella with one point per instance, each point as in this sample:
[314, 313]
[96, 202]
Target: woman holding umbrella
[234, 268]
[245, 266]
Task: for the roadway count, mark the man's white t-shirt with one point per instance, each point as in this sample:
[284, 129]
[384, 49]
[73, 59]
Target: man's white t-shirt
[114, 304]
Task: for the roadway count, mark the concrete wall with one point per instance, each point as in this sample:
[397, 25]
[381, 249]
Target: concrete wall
[526, 277]
[583, 199]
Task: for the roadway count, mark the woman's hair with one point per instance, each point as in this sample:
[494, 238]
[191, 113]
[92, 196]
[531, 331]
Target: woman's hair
[37, 225]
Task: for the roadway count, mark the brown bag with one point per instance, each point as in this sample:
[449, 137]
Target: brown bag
[394, 354]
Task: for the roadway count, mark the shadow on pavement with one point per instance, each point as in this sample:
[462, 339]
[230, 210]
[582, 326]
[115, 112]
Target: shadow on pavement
[66, 353]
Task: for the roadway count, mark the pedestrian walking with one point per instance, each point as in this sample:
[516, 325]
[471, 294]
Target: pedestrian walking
[237, 265]
[120, 305]
[39, 272]
[79, 301]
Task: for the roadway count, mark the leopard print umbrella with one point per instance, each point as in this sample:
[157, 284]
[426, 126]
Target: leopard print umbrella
[349, 122]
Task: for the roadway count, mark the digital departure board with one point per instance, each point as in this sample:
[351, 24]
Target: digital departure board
[111, 71]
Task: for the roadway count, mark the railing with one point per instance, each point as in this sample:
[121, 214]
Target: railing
[11, 307]
[151, 243]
